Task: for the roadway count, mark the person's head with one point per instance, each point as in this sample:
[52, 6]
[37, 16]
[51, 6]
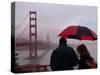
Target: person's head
[62, 40]
[82, 50]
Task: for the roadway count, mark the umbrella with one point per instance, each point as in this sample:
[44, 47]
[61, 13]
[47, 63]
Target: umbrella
[78, 32]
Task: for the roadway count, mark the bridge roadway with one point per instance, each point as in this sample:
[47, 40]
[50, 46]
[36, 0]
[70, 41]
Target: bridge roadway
[22, 44]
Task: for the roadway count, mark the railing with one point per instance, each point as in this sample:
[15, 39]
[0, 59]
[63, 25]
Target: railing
[32, 68]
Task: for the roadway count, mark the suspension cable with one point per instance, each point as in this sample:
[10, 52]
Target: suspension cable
[21, 22]
[22, 31]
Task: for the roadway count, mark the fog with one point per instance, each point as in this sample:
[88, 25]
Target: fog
[53, 18]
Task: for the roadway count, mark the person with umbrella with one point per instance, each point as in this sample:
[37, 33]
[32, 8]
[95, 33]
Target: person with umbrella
[63, 57]
[81, 33]
[86, 61]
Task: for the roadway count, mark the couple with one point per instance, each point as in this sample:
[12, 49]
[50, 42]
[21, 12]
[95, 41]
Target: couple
[65, 58]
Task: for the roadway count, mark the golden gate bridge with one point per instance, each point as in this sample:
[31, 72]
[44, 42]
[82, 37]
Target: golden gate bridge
[32, 25]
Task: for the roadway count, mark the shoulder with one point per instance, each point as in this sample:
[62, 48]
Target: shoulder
[87, 58]
[90, 59]
[55, 50]
[70, 48]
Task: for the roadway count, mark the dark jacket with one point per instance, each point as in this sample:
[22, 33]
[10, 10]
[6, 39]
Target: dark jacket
[63, 58]
[83, 62]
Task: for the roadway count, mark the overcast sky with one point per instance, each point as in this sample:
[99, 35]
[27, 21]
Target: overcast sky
[54, 18]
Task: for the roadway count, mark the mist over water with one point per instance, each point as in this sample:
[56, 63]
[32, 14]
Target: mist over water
[44, 55]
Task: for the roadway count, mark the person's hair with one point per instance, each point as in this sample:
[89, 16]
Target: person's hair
[83, 51]
[62, 40]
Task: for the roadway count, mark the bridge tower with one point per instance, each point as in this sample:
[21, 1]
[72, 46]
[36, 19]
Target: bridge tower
[32, 33]
[48, 39]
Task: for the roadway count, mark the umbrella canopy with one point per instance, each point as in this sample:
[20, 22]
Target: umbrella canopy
[78, 32]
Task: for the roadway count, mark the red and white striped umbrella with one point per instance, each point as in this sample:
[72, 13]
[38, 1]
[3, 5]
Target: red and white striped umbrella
[78, 32]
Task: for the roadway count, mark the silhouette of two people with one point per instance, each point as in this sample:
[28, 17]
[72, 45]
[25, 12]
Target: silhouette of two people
[63, 57]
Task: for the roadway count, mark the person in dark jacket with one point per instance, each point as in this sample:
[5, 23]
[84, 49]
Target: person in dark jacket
[63, 57]
[86, 60]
